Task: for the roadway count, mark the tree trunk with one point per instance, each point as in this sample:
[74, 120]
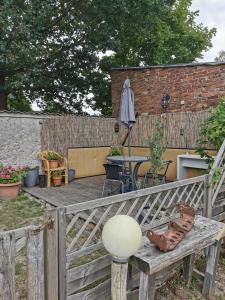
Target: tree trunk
[3, 94]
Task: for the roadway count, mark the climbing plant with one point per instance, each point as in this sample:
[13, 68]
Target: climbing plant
[212, 132]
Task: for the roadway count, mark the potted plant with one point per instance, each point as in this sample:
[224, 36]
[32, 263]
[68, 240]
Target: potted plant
[10, 181]
[30, 179]
[53, 159]
[57, 177]
[115, 151]
[157, 148]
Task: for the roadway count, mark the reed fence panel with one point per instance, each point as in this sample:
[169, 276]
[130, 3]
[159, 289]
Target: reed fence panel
[181, 130]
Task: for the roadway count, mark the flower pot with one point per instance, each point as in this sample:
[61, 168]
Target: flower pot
[30, 179]
[53, 164]
[57, 180]
[9, 190]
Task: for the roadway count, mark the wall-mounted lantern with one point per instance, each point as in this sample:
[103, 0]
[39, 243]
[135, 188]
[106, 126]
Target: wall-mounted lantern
[116, 128]
[165, 102]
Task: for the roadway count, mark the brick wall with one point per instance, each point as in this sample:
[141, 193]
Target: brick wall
[197, 86]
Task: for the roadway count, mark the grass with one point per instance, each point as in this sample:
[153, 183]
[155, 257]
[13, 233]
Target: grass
[19, 212]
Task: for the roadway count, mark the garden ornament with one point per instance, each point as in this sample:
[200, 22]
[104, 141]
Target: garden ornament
[177, 229]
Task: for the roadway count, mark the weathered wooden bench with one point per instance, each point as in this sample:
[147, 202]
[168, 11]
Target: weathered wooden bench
[206, 233]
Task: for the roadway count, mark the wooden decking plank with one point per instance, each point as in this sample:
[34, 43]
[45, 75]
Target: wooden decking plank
[78, 191]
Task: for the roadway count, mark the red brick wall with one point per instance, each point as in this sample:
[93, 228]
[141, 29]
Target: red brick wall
[199, 86]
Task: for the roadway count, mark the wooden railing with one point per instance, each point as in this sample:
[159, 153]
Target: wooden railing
[80, 236]
[216, 186]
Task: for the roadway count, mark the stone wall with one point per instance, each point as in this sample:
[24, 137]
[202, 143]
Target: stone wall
[23, 136]
[20, 140]
[192, 87]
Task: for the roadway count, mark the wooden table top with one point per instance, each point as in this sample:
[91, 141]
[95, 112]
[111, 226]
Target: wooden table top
[204, 233]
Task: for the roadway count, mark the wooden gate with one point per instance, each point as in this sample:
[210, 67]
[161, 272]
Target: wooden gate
[84, 266]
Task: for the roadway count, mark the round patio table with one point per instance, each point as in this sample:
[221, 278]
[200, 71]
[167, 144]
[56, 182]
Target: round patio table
[138, 160]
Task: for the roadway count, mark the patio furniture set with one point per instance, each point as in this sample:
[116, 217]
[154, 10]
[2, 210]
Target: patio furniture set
[117, 171]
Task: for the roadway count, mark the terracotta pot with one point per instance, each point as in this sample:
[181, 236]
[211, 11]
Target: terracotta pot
[57, 180]
[53, 164]
[9, 190]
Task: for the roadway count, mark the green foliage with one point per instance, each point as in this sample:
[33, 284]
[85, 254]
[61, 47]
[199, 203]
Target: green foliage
[212, 131]
[57, 173]
[51, 155]
[157, 148]
[57, 53]
[115, 151]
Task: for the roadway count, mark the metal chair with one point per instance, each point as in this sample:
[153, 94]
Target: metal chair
[161, 177]
[114, 173]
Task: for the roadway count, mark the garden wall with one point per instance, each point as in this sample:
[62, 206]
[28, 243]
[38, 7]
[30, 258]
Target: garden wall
[192, 87]
[20, 140]
[23, 136]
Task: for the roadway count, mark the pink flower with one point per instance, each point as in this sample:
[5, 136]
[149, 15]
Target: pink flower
[7, 176]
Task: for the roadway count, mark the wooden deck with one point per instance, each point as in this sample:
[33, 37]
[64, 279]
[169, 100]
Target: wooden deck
[79, 190]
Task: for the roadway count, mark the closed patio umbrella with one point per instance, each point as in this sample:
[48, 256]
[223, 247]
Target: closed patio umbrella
[126, 114]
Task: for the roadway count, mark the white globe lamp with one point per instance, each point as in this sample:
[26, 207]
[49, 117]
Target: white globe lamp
[122, 237]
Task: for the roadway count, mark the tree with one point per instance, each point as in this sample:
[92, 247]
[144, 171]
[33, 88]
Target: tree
[221, 56]
[58, 53]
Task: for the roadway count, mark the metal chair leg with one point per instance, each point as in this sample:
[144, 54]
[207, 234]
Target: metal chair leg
[122, 184]
[144, 183]
[103, 189]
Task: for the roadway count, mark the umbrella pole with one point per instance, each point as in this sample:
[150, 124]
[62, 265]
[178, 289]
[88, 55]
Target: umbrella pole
[129, 154]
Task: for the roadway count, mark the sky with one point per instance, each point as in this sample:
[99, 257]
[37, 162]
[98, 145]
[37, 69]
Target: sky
[212, 14]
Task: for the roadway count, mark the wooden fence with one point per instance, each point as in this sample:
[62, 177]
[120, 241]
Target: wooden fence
[27, 244]
[67, 260]
[61, 133]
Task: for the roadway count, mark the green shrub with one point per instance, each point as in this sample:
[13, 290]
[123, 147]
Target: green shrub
[212, 131]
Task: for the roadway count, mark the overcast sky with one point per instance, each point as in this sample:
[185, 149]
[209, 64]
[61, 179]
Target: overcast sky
[212, 14]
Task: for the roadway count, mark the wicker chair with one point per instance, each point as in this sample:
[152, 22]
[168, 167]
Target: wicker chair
[63, 166]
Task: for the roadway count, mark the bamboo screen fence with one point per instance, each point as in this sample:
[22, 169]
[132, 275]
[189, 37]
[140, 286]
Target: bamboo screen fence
[181, 130]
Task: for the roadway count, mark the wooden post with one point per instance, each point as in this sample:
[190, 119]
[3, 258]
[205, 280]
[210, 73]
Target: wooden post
[210, 273]
[119, 281]
[35, 265]
[51, 255]
[62, 254]
[209, 197]
[147, 286]
[188, 265]
[7, 266]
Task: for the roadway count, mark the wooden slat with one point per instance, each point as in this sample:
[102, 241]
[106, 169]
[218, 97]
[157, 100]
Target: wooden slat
[79, 277]
[35, 267]
[102, 218]
[131, 195]
[80, 232]
[88, 268]
[100, 292]
[7, 266]
[51, 256]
